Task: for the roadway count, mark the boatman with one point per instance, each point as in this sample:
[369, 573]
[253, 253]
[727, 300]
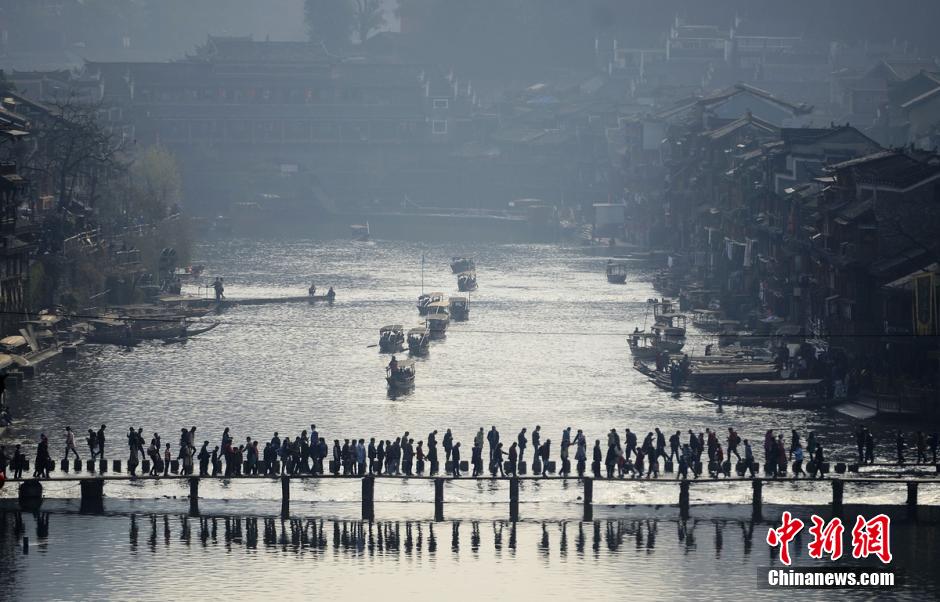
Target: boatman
[393, 366]
[312, 291]
[219, 288]
[330, 295]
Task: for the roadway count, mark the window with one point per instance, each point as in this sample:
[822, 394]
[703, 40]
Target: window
[440, 103]
[439, 126]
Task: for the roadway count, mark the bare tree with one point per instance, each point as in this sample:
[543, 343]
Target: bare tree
[73, 150]
[368, 17]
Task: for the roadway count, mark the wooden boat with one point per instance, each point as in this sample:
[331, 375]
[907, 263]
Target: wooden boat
[462, 264]
[616, 272]
[673, 324]
[643, 345]
[360, 232]
[437, 324]
[665, 338]
[391, 338]
[796, 400]
[466, 282]
[441, 307]
[131, 332]
[419, 339]
[777, 388]
[402, 378]
[662, 306]
[460, 309]
[425, 300]
[707, 319]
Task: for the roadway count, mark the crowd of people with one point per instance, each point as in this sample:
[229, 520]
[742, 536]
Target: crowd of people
[689, 455]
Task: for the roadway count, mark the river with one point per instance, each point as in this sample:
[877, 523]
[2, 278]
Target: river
[545, 344]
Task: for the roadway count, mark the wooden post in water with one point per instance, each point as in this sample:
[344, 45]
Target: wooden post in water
[588, 498]
[757, 501]
[92, 495]
[912, 500]
[514, 499]
[368, 498]
[684, 499]
[194, 496]
[838, 488]
[438, 499]
[285, 496]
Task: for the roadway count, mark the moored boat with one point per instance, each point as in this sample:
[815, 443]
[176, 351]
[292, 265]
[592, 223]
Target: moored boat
[707, 319]
[391, 338]
[459, 309]
[462, 264]
[616, 272]
[402, 377]
[466, 282]
[665, 338]
[419, 339]
[643, 345]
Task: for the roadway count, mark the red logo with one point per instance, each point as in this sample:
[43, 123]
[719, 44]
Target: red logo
[782, 536]
[827, 538]
[872, 537]
[869, 537]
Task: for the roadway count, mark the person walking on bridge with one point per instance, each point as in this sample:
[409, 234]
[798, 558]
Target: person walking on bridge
[100, 436]
[580, 454]
[492, 438]
[204, 459]
[733, 440]
[674, 446]
[522, 442]
[448, 444]
[536, 442]
[455, 459]
[70, 443]
[596, 457]
[545, 454]
[498, 455]
[513, 458]
[630, 437]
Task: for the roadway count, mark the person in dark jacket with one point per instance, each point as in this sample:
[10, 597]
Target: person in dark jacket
[455, 458]
[43, 459]
[513, 458]
[596, 461]
[371, 453]
[100, 436]
[610, 461]
[204, 457]
[448, 443]
[545, 454]
[522, 441]
[536, 441]
[498, 455]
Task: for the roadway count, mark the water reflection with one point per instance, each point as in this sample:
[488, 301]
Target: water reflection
[317, 535]
[697, 550]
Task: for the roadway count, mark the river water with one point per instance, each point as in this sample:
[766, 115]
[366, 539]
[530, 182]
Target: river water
[545, 344]
[156, 556]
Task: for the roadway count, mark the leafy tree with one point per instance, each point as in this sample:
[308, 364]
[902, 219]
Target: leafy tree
[155, 184]
[329, 21]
